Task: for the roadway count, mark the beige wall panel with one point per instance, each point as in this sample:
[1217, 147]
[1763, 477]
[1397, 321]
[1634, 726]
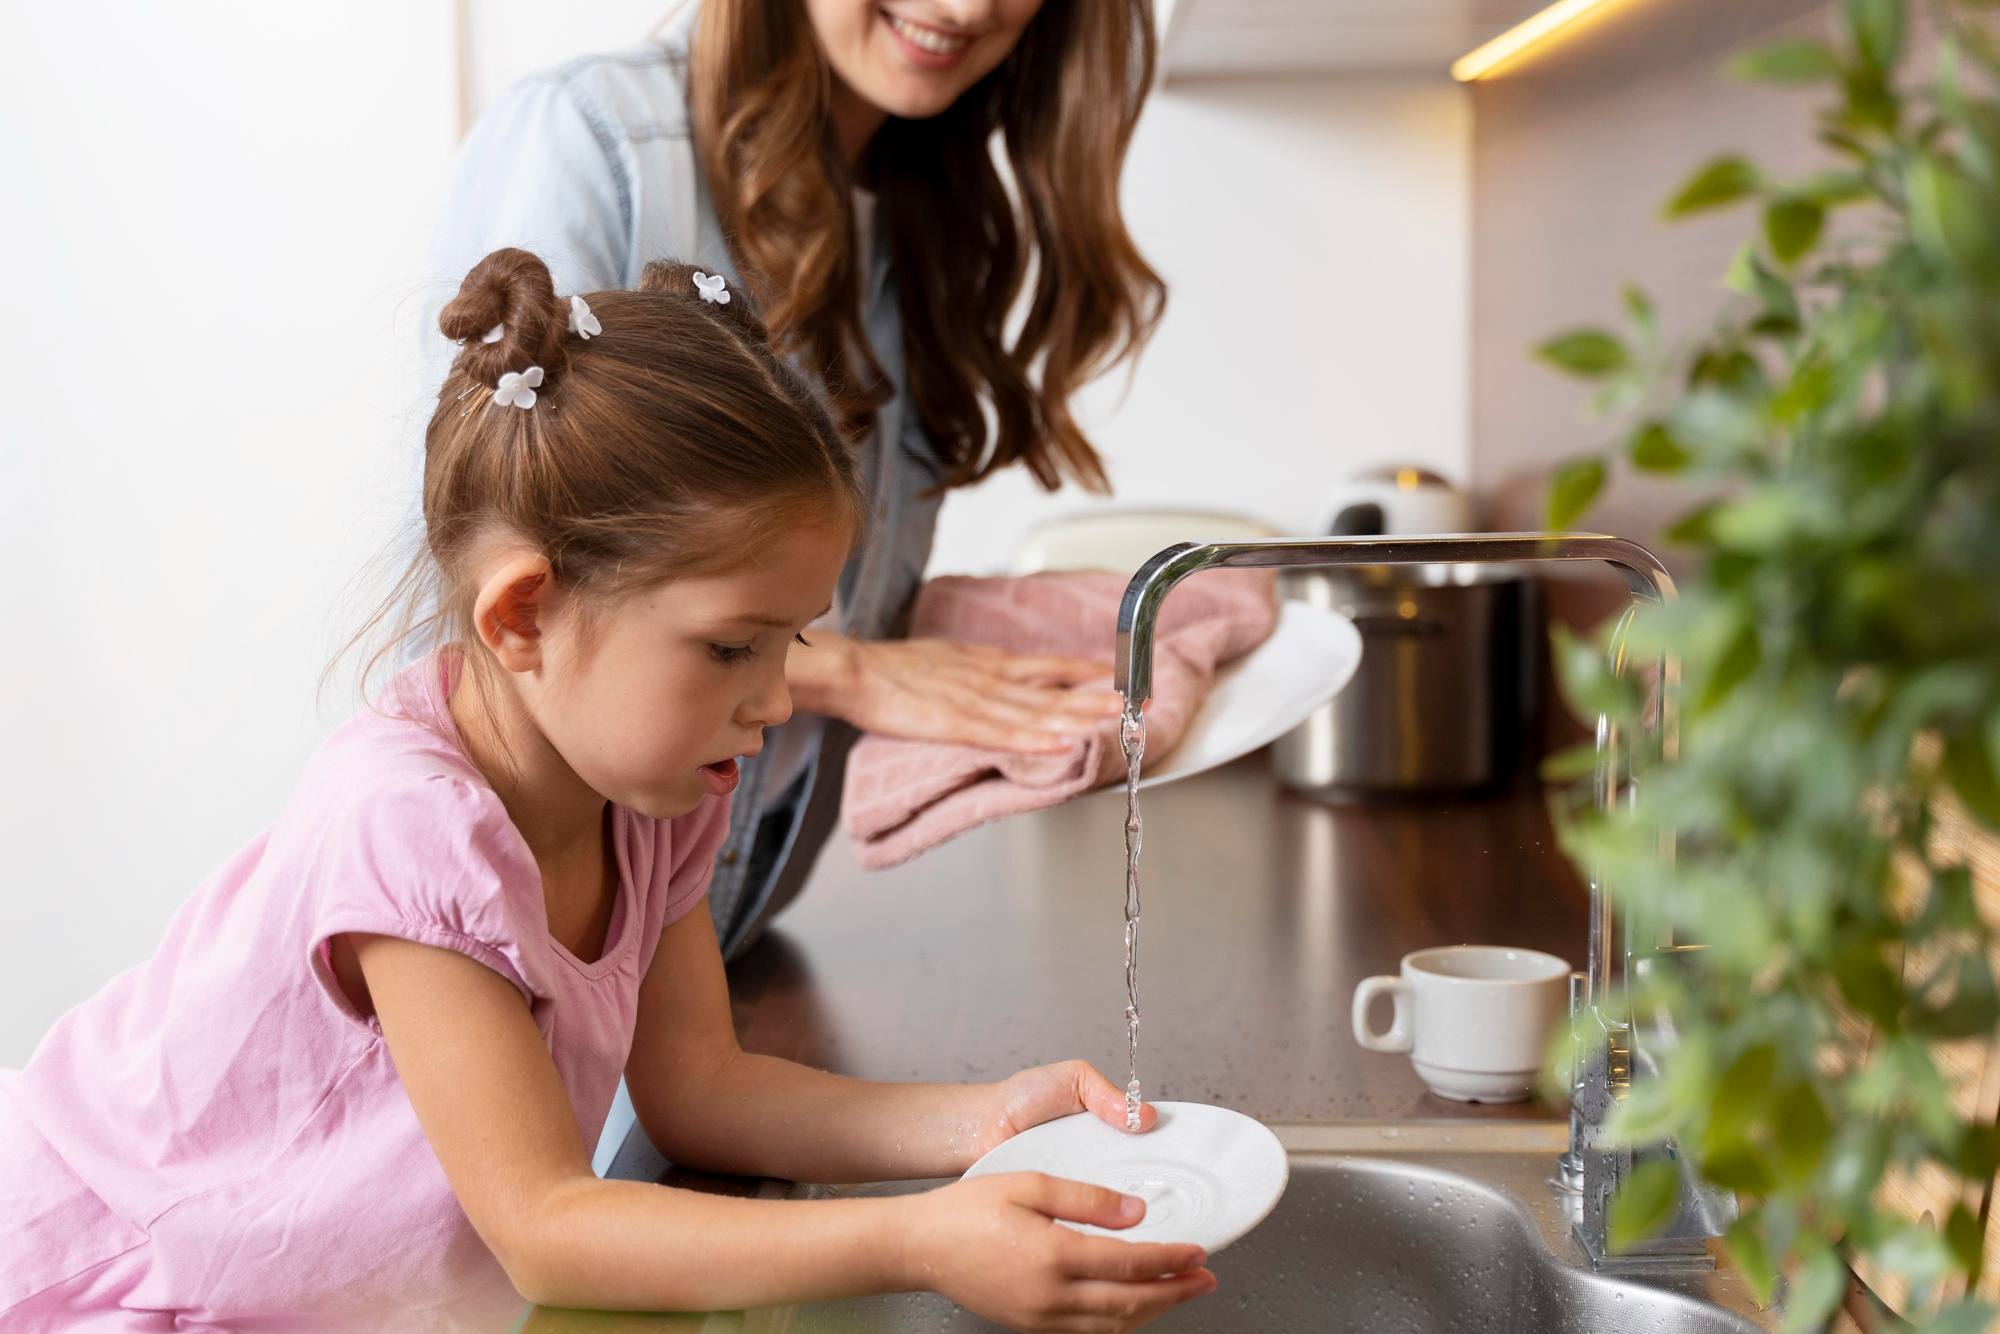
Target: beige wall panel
[1575, 146]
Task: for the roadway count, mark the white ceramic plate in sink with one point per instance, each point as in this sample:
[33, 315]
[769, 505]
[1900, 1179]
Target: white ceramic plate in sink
[1266, 693]
[1208, 1175]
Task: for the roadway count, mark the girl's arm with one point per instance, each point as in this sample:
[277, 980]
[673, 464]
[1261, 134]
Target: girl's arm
[494, 1110]
[706, 1103]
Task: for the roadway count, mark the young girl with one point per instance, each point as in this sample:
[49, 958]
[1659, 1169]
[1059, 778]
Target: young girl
[357, 1083]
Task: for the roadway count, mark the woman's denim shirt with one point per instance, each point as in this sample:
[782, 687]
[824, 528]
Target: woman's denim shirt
[592, 166]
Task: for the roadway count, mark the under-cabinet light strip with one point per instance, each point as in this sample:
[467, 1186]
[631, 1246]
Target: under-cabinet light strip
[1478, 64]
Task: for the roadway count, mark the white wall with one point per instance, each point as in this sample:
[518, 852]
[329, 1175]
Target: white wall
[212, 216]
[1315, 235]
[510, 38]
[213, 219]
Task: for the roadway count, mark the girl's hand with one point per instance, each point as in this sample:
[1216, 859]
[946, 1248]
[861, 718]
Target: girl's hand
[941, 690]
[1048, 1091]
[989, 1244]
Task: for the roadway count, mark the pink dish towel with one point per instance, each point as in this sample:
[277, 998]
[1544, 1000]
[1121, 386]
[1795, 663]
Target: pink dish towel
[902, 797]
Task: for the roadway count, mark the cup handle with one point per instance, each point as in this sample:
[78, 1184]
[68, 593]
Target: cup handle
[1399, 1037]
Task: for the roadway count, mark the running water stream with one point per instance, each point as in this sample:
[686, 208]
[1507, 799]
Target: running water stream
[1132, 735]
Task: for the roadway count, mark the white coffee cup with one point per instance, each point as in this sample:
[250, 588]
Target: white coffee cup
[1475, 1019]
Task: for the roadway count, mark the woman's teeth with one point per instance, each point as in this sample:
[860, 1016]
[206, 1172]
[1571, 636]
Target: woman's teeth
[929, 39]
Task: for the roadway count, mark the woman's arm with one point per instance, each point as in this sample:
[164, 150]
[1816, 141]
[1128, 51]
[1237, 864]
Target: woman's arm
[941, 690]
[706, 1103]
[494, 1110]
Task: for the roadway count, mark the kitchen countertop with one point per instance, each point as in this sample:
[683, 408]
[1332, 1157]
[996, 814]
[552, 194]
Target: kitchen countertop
[1262, 910]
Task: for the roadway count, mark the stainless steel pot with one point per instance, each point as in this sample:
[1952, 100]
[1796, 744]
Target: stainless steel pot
[1445, 690]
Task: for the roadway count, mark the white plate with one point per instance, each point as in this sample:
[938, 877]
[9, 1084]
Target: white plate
[1208, 1175]
[1266, 693]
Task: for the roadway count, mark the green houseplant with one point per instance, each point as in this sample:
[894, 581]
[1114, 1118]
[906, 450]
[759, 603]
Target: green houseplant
[1839, 697]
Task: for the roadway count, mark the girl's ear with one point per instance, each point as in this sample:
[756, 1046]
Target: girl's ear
[512, 607]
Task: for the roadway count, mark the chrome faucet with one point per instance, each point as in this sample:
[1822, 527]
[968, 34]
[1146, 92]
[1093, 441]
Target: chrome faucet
[1607, 1053]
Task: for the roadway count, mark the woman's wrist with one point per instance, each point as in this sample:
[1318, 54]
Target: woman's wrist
[822, 677]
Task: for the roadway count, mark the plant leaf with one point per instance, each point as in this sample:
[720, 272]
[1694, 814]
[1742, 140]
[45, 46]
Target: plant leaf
[1731, 569]
[1792, 227]
[1917, 1252]
[1752, 1259]
[1831, 188]
[1800, 61]
[1741, 275]
[1639, 310]
[1974, 1006]
[1969, 770]
[1744, 1086]
[1781, 303]
[1947, 219]
[1588, 683]
[1587, 352]
[1723, 181]
[1752, 277]
[1732, 369]
[1692, 528]
[1821, 1283]
[1644, 1203]
[1799, 1128]
[1957, 908]
[1571, 490]
[1859, 1160]
[1870, 104]
[1876, 29]
[1978, 1155]
[1966, 1238]
[1568, 765]
[1735, 1165]
[1870, 984]
[1737, 661]
[1655, 450]
[1970, 1316]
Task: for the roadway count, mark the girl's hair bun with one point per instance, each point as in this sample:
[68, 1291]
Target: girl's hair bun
[677, 279]
[510, 289]
[677, 441]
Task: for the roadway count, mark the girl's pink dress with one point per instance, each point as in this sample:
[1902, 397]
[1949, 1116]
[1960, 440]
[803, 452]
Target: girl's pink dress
[218, 1141]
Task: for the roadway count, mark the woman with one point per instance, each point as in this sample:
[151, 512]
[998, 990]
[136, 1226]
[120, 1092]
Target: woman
[836, 156]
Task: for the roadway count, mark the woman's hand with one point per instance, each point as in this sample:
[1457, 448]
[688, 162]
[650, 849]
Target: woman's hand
[941, 690]
[1046, 1092]
[989, 1244]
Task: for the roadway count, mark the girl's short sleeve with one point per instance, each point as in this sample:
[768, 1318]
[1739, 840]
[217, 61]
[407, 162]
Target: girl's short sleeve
[433, 860]
[689, 864]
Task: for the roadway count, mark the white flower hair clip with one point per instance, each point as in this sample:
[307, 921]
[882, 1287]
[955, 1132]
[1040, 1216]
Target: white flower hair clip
[713, 289]
[517, 388]
[495, 334]
[581, 322]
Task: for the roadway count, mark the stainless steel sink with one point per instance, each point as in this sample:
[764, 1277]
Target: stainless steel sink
[1403, 1229]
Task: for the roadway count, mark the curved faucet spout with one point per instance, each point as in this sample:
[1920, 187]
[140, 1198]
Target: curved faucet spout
[1139, 612]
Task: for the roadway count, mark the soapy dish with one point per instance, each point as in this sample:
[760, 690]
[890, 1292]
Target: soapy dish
[1208, 1175]
[1266, 693]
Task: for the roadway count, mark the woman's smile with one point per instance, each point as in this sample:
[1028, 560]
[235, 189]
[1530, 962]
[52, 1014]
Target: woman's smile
[910, 58]
[934, 48]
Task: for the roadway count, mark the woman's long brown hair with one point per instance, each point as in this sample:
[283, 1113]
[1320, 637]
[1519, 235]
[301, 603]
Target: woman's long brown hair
[1064, 103]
